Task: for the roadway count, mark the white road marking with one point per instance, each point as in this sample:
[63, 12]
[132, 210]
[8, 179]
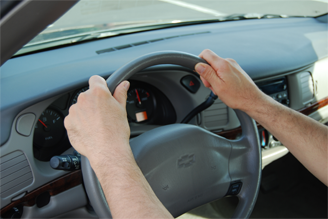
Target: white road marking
[195, 7]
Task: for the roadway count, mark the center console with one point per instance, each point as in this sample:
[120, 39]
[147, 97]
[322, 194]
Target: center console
[277, 89]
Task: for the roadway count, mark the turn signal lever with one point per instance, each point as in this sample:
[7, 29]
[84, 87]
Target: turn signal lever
[206, 104]
[67, 162]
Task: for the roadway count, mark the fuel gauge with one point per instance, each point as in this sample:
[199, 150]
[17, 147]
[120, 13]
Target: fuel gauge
[139, 105]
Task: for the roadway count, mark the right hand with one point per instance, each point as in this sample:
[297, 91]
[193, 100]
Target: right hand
[228, 81]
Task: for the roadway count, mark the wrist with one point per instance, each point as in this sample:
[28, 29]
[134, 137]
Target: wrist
[261, 106]
[110, 153]
[258, 103]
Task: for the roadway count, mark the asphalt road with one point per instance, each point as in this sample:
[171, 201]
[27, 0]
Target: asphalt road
[90, 12]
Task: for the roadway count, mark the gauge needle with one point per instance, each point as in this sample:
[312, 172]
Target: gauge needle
[138, 96]
[43, 123]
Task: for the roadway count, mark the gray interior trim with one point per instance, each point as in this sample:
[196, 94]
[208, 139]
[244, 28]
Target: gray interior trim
[41, 171]
[6, 6]
[63, 202]
[24, 124]
[323, 18]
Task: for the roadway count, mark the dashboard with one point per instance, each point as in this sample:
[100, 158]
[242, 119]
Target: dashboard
[287, 59]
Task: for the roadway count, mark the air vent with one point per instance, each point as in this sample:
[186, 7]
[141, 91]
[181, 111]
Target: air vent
[15, 173]
[145, 42]
[216, 116]
[307, 87]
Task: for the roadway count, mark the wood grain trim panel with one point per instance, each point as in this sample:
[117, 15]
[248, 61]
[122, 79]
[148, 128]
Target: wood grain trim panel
[54, 187]
[314, 107]
[234, 133]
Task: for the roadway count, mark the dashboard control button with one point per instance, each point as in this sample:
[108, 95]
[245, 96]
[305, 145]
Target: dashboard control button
[24, 124]
[279, 96]
[285, 101]
[190, 83]
[235, 188]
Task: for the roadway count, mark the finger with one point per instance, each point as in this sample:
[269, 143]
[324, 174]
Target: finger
[67, 122]
[95, 81]
[208, 73]
[206, 84]
[213, 59]
[120, 93]
[214, 92]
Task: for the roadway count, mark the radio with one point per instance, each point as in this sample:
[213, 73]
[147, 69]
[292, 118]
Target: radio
[277, 89]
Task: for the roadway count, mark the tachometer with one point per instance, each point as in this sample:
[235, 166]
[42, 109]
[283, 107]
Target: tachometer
[49, 129]
[139, 105]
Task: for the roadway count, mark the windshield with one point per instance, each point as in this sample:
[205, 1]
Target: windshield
[90, 19]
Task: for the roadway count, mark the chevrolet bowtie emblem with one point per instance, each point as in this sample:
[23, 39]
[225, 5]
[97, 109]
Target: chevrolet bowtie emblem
[186, 161]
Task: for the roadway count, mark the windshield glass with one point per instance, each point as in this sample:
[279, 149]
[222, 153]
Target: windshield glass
[90, 19]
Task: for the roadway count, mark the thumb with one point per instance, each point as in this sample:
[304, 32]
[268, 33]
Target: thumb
[120, 93]
[208, 73]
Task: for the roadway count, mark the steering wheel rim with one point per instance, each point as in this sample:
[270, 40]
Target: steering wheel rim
[241, 157]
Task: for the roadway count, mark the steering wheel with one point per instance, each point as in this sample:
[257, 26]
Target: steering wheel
[187, 166]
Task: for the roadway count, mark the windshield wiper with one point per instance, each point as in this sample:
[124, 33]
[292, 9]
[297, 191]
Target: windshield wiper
[92, 33]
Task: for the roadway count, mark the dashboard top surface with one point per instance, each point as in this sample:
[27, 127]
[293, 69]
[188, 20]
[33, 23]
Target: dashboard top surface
[263, 48]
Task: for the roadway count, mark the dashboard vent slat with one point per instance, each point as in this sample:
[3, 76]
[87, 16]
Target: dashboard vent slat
[306, 86]
[13, 170]
[123, 47]
[6, 165]
[16, 188]
[216, 116]
[145, 42]
[15, 173]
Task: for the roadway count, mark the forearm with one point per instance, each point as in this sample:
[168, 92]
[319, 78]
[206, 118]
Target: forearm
[305, 138]
[127, 191]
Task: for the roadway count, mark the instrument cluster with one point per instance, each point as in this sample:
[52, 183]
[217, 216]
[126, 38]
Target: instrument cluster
[146, 105]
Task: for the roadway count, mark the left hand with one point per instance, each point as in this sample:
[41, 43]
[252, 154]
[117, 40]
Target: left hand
[97, 124]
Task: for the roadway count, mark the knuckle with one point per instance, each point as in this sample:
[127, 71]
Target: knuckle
[225, 62]
[224, 65]
[231, 60]
[208, 72]
[98, 90]
[71, 110]
[67, 122]
[81, 98]
[207, 51]
[94, 78]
